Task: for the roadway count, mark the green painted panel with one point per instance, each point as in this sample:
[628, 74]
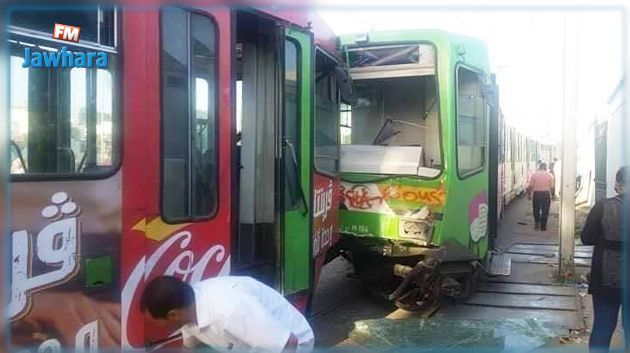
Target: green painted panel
[296, 242]
[457, 207]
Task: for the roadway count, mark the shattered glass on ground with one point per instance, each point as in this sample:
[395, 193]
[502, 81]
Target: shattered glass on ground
[510, 335]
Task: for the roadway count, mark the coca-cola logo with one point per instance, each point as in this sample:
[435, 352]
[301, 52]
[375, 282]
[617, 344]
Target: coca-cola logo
[185, 266]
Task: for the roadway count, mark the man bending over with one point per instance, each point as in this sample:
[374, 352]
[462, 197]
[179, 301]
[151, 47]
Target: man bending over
[229, 314]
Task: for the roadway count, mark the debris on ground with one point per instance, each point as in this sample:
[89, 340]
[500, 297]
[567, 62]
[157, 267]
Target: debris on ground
[513, 335]
[575, 336]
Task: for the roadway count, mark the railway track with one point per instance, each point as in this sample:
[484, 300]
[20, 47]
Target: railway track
[529, 289]
[340, 300]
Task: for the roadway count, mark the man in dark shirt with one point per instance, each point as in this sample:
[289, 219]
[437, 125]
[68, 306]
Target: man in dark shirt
[607, 227]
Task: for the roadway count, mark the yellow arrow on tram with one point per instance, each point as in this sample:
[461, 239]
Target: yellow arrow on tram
[157, 229]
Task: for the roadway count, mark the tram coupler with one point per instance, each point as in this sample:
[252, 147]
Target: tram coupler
[422, 273]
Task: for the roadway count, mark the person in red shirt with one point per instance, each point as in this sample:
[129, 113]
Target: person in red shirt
[541, 185]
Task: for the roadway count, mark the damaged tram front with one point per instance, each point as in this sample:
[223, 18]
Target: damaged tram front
[414, 162]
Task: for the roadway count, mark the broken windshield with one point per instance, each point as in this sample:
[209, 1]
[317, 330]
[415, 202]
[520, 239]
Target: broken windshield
[408, 54]
[395, 111]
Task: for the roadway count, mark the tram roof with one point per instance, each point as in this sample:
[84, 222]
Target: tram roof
[407, 35]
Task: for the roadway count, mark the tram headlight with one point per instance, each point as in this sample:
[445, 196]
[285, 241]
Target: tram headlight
[414, 230]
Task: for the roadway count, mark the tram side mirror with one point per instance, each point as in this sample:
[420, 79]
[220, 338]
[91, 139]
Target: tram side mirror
[346, 87]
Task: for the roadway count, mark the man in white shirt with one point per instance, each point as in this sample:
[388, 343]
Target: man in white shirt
[229, 314]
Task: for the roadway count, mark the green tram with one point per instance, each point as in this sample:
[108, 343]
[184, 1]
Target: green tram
[418, 172]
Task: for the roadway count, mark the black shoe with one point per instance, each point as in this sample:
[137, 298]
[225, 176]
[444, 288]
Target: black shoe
[543, 228]
[537, 226]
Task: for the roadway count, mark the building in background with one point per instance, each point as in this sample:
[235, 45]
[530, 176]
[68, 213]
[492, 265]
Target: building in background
[585, 182]
[611, 132]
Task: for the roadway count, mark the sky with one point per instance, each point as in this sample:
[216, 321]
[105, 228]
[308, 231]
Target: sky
[541, 57]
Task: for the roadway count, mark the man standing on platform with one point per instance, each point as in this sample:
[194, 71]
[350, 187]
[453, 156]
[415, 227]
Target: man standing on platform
[540, 185]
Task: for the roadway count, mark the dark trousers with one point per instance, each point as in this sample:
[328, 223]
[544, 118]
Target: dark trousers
[606, 312]
[541, 202]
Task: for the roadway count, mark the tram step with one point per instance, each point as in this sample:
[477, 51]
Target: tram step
[500, 265]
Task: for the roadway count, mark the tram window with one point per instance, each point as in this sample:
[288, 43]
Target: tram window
[292, 124]
[399, 111]
[346, 124]
[19, 117]
[104, 124]
[175, 147]
[471, 123]
[62, 120]
[189, 141]
[327, 104]
[78, 115]
[392, 55]
[203, 69]
[239, 108]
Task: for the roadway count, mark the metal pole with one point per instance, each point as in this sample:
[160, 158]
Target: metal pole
[569, 149]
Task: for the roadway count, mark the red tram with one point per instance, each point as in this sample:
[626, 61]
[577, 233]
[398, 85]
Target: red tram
[208, 146]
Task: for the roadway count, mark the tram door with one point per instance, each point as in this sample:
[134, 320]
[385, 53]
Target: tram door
[273, 122]
[297, 145]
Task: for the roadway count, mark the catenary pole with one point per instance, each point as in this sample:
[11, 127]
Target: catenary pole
[569, 148]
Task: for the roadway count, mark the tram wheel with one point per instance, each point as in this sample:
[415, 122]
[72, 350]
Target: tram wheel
[469, 286]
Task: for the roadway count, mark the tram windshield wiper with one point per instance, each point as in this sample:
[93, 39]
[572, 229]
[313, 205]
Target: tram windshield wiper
[392, 128]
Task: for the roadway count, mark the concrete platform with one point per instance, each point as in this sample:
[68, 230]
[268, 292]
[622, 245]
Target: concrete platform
[340, 301]
[516, 288]
[532, 288]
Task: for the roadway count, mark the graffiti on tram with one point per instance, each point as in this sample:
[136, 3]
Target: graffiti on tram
[380, 198]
